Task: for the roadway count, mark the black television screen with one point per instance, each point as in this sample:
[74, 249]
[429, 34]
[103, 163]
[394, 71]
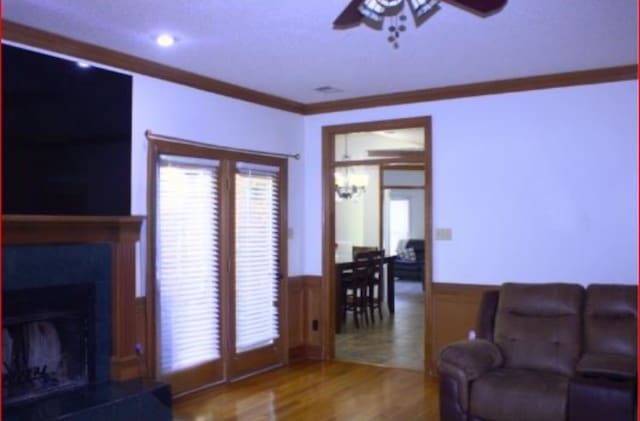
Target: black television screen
[66, 137]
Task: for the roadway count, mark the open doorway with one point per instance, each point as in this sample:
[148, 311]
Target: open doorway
[364, 167]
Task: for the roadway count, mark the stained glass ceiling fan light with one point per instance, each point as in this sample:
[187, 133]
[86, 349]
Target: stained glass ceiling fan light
[374, 12]
[424, 9]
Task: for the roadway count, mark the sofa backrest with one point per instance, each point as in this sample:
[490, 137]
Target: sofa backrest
[415, 243]
[538, 326]
[610, 319]
[487, 314]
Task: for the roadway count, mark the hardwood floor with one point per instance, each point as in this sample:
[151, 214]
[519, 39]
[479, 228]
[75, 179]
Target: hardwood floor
[397, 341]
[312, 390]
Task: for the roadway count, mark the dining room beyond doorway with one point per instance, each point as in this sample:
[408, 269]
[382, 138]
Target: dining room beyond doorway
[379, 208]
[396, 341]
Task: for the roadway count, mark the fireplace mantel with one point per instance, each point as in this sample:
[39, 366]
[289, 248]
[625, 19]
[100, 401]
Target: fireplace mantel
[48, 229]
[122, 233]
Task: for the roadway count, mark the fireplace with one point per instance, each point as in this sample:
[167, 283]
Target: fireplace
[69, 342]
[56, 318]
[47, 335]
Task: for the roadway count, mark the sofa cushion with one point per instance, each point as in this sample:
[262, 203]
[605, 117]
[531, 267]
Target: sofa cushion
[600, 398]
[538, 326]
[516, 394]
[610, 365]
[407, 255]
[610, 320]
[402, 244]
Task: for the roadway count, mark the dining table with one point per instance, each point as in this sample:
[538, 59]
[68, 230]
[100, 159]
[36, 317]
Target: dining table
[345, 268]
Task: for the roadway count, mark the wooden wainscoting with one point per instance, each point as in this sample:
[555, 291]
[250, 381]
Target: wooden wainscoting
[304, 308]
[455, 312]
[304, 317]
[141, 332]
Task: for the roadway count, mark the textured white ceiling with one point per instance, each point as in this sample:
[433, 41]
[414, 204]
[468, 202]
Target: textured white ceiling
[288, 47]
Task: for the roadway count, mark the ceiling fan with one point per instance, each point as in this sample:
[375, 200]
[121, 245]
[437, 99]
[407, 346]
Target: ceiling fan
[374, 11]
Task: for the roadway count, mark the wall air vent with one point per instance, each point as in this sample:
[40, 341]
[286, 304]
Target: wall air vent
[328, 90]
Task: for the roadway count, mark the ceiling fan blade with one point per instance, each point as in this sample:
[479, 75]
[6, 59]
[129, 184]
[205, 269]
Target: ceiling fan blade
[479, 7]
[350, 16]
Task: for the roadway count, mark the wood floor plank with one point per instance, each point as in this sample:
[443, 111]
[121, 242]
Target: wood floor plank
[311, 390]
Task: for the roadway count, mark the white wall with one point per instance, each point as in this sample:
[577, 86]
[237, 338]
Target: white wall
[536, 186]
[371, 216]
[416, 215]
[349, 227]
[403, 178]
[415, 197]
[416, 209]
[175, 110]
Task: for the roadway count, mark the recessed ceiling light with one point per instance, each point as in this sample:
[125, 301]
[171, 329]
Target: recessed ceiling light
[165, 40]
[84, 64]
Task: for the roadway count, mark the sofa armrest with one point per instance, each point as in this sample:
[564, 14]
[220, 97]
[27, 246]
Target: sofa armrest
[472, 358]
[464, 361]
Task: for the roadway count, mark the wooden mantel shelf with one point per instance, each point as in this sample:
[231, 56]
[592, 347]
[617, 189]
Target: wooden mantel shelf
[39, 229]
[122, 233]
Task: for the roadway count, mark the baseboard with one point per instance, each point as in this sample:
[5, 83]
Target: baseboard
[305, 352]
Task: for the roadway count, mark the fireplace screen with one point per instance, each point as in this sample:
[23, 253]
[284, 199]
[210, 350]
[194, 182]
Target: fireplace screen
[45, 342]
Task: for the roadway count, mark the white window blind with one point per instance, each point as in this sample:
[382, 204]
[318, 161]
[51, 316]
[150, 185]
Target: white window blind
[187, 262]
[257, 272]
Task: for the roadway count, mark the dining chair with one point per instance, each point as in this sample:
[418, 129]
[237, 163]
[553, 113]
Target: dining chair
[371, 265]
[374, 282]
[356, 289]
[356, 250]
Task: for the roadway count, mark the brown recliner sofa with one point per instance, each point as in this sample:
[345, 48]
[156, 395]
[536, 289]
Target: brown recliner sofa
[545, 352]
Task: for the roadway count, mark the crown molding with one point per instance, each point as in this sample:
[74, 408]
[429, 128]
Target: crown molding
[33, 37]
[556, 80]
[27, 35]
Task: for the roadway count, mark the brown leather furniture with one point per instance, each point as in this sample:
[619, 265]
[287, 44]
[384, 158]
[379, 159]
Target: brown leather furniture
[545, 352]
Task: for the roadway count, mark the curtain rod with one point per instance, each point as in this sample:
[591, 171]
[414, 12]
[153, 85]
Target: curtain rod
[156, 136]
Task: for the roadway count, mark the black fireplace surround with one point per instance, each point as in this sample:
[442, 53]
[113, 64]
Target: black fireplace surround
[48, 341]
[57, 339]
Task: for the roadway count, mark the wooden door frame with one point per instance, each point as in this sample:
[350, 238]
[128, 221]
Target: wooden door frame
[328, 304]
[226, 254]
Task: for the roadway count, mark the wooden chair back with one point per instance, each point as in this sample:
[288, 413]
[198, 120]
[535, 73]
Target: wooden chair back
[356, 250]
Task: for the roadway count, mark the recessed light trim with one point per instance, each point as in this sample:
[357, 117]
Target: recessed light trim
[165, 40]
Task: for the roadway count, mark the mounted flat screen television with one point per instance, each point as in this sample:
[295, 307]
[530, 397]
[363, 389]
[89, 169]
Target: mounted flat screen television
[66, 137]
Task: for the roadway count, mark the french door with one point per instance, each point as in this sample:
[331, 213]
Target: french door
[216, 221]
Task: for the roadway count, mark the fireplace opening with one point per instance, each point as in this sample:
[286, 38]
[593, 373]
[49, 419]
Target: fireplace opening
[46, 336]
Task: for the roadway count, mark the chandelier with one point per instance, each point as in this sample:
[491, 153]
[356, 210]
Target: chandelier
[349, 184]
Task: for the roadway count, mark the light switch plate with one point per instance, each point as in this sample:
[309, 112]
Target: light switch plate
[443, 234]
